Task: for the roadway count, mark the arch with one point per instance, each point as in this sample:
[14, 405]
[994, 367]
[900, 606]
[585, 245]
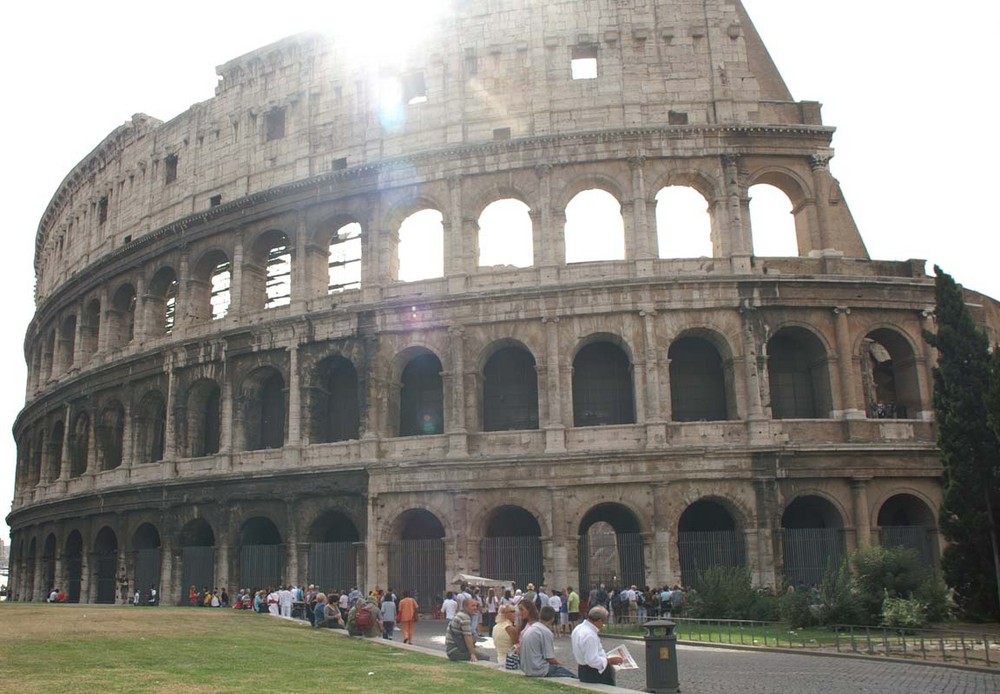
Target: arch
[889, 375]
[54, 470]
[110, 435]
[91, 329]
[510, 390]
[708, 535]
[334, 401]
[49, 563]
[506, 236]
[211, 286]
[73, 556]
[66, 352]
[812, 539]
[511, 549]
[80, 445]
[595, 229]
[121, 317]
[262, 560]
[267, 276]
[602, 385]
[684, 223]
[151, 427]
[420, 247]
[333, 546]
[799, 375]
[777, 198]
[610, 547]
[162, 298]
[700, 384]
[146, 557]
[263, 407]
[203, 421]
[344, 262]
[421, 396]
[416, 555]
[37, 456]
[105, 565]
[906, 520]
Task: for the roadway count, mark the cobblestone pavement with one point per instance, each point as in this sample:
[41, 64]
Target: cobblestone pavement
[717, 670]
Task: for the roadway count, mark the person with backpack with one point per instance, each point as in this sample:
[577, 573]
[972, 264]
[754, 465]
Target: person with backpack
[364, 619]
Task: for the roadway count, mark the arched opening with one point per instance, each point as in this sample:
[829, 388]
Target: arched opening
[73, 556]
[67, 343]
[421, 397]
[594, 228]
[263, 405]
[162, 300]
[204, 418]
[121, 318]
[421, 246]
[210, 287]
[333, 548]
[334, 401]
[35, 472]
[262, 560]
[772, 222]
[49, 563]
[49, 357]
[510, 390]
[512, 547]
[602, 386]
[79, 451]
[151, 427]
[110, 435]
[906, 521]
[91, 332]
[610, 549]
[416, 556]
[798, 371]
[344, 264]
[105, 566]
[146, 561]
[697, 381]
[813, 539]
[197, 543]
[889, 376]
[30, 564]
[55, 452]
[505, 234]
[273, 251]
[683, 223]
[708, 536]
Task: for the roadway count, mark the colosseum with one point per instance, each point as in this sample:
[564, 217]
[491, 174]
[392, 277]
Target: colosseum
[347, 324]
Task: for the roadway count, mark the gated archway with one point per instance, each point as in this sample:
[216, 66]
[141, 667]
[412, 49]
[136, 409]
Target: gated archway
[813, 540]
[906, 521]
[512, 548]
[197, 555]
[416, 556]
[262, 559]
[333, 546]
[708, 536]
[105, 566]
[146, 546]
[610, 548]
[74, 566]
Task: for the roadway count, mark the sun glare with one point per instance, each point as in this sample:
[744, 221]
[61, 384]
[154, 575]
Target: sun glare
[383, 32]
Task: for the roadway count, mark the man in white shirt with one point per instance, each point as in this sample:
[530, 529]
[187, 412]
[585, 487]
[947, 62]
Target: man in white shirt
[593, 664]
[285, 596]
[555, 602]
[449, 607]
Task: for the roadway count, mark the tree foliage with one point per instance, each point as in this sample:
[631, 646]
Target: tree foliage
[969, 449]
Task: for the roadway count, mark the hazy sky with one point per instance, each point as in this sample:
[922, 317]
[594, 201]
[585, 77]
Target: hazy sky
[909, 85]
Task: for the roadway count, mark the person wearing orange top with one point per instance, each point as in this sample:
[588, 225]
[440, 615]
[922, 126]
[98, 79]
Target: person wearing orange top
[406, 615]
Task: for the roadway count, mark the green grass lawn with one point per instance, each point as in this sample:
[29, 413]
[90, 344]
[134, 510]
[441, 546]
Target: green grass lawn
[87, 648]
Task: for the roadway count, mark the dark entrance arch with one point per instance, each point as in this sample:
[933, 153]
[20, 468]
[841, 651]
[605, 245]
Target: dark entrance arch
[261, 554]
[610, 548]
[813, 540]
[197, 555]
[512, 547]
[74, 566]
[697, 381]
[333, 545]
[602, 386]
[906, 521]
[416, 556]
[510, 391]
[421, 397]
[798, 375]
[146, 543]
[105, 565]
[889, 376]
[708, 536]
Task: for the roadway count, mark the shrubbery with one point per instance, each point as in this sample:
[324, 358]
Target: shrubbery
[727, 592]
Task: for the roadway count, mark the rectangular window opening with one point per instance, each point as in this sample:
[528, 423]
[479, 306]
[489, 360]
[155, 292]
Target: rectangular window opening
[339, 164]
[215, 201]
[414, 88]
[171, 168]
[276, 123]
[102, 210]
[584, 62]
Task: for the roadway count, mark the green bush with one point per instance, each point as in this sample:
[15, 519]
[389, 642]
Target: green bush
[764, 607]
[895, 572]
[903, 612]
[795, 608]
[724, 592]
[933, 593]
[838, 597]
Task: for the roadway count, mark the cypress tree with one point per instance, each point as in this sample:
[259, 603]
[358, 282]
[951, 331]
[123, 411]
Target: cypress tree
[970, 451]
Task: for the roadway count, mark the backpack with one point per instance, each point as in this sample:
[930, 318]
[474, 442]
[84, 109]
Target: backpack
[363, 618]
[640, 598]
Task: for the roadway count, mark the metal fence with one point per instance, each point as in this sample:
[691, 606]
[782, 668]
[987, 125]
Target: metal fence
[517, 559]
[104, 573]
[700, 550]
[197, 567]
[614, 560]
[418, 566]
[919, 538]
[147, 568]
[333, 566]
[261, 565]
[809, 552]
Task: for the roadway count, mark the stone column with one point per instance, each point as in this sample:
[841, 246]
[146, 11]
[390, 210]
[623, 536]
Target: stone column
[222, 566]
[291, 550]
[862, 517]
[555, 427]
[65, 463]
[236, 289]
[736, 242]
[128, 435]
[755, 356]
[553, 242]
[455, 399]
[663, 570]
[456, 265]
[765, 498]
[559, 571]
[850, 404]
[294, 437]
[302, 289]
[376, 554]
[822, 182]
[103, 321]
[644, 229]
[170, 433]
[927, 361]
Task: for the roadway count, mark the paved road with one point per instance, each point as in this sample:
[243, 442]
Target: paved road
[715, 670]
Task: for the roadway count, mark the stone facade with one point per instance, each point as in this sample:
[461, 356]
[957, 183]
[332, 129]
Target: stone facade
[201, 390]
